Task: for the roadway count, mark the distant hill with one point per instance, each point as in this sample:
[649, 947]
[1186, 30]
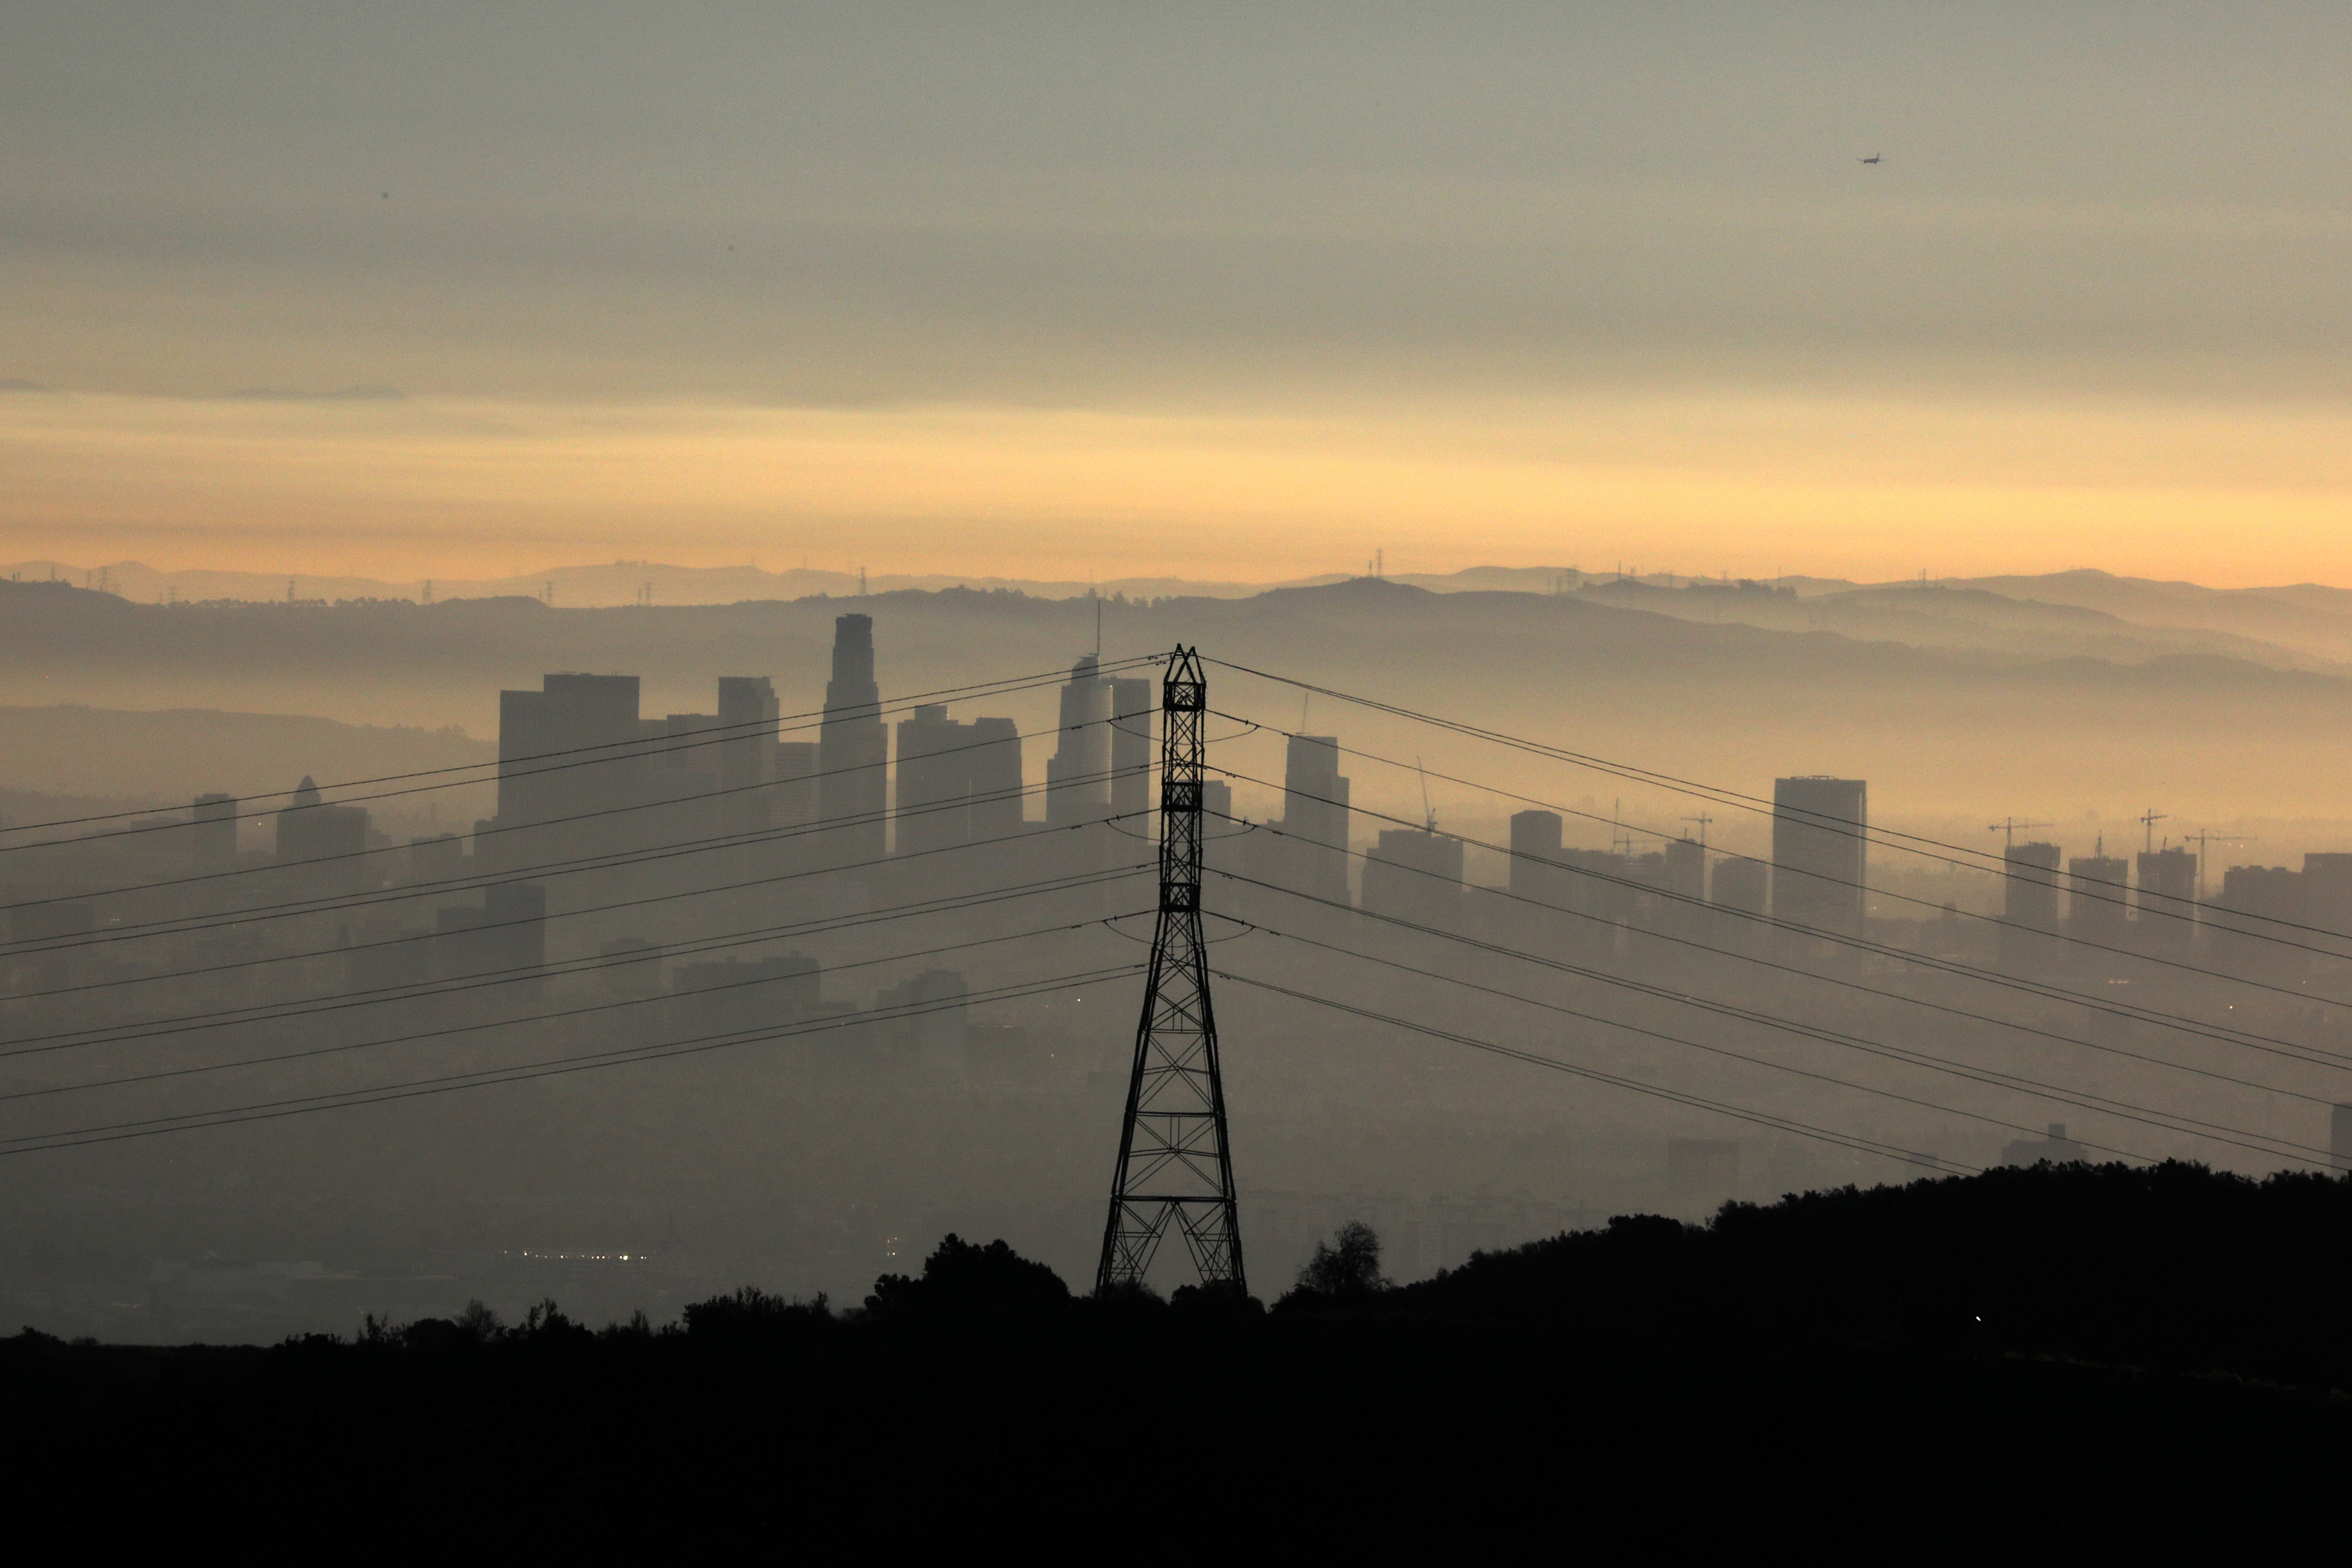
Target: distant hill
[166, 758]
[2065, 715]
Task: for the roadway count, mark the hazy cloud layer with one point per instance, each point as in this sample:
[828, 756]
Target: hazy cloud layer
[1366, 216]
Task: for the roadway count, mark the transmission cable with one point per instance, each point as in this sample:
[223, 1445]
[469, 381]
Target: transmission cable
[621, 750]
[2246, 1038]
[584, 1010]
[1854, 1142]
[558, 1067]
[2168, 1121]
[427, 991]
[542, 823]
[1724, 796]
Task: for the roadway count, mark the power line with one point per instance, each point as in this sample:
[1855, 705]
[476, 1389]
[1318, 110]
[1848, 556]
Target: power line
[600, 861]
[273, 1013]
[559, 1066]
[1679, 1097]
[2247, 1038]
[2167, 1121]
[531, 1018]
[1724, 796]
[1836, 881]
[622, 750]
[537, 826]
[1607, 978]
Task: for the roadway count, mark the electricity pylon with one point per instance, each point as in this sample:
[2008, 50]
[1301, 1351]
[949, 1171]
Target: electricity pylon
[1174, 1160]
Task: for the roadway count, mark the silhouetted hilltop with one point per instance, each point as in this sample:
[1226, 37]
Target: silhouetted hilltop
[2173, 1267]
[1818, 1362]
[157, 756]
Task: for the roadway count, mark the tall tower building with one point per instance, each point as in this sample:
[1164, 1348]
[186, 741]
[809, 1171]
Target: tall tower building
[1535, 858]
[575, 745]
[1819, 853]
[1078, 773]
[748, 717]
[2029, 906]
[2164, 918]
[957, 784]
[2097, 887]
[1133, 704]
[213, 843]
[853, 749]
[1315, 816]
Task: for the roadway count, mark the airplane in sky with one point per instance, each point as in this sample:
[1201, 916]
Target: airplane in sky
[1872, 159]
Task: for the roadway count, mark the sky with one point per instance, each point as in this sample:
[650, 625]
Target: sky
[1220, 291]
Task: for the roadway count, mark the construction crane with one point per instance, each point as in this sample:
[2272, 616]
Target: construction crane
[1702, 819]
[1428, 816]
[2148, 820]
[2201, 838]
[2010, 827]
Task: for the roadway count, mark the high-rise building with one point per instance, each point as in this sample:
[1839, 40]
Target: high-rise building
[2098, 887]
[571, 746]
[1134, 702]
[1819, 855]
[2258, 904]
[1414, 874]
[1078, 773]
[1686, 870]
[1315, 817]
[2029, 906]
[2328, 902]
[212, 839]
[2164, 914]
[996, 784]
[333, 839]
[957, 784]
[793, 793]
[853, 749]
[746, 749]
[1535, 859]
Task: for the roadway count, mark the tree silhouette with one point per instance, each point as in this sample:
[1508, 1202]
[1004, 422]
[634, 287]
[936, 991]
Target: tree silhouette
[963, 1278]
[1348, 1266]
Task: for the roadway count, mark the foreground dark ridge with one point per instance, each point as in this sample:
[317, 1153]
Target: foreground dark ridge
[2103, 1353]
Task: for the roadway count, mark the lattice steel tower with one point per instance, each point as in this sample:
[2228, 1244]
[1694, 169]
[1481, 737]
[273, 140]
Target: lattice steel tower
[1174, 1161]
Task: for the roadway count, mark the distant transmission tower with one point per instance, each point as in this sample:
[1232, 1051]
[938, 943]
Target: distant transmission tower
[1174, 1159]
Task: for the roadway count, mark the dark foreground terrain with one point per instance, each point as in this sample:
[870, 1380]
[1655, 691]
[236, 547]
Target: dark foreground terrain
[2078, 1360]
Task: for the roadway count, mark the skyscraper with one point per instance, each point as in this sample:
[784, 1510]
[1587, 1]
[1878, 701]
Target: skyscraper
[2164, 918]
[333, 838]
[748, 716]
[2097, 887]
[957, 784]
[574, 749]
[1415, 874]
[1315, 817]
[1535, 859]
[1817, 851]
[853, 749]
[1077, 776]
[213, 842]
[2029, 906]
[1133, 702]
